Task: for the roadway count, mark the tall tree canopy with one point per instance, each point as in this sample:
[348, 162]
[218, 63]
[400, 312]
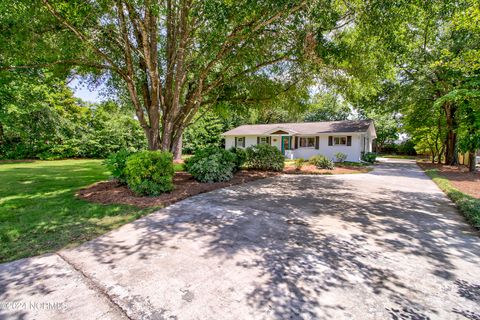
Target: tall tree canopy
[437, 69]
[40, 118]
[174, 57]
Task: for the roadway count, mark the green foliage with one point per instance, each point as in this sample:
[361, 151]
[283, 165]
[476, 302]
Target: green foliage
[322, 162]
[352, 164]
[468, 205]
[241, 157]
[40, 118]
[369, 157]
[468, 102]
[212, 164]
[340, 156]
[299, 163]
[265, 157]
[327, 107]
[40, 213]
[203, 133]
[407, 147]
[116, 163]
[150, 172]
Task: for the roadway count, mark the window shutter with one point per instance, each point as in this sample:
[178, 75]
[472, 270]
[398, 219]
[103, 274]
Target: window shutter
[349, 140]
[269, 140]
[258, 140]
[235, 142]
[296, 142]
[330, 140]
[317, 142]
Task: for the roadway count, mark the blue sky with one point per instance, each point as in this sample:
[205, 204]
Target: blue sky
[83, 92]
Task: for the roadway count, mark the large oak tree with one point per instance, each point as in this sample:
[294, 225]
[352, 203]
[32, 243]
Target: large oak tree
[175, 57]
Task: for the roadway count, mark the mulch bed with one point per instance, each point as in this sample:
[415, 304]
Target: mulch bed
[311, 169]
[110, 192]
[459, 177]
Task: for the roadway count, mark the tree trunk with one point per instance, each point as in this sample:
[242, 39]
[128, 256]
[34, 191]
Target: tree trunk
[472, 163]
[177, 148]
[153, 138]
[451, 142]
[440, 153]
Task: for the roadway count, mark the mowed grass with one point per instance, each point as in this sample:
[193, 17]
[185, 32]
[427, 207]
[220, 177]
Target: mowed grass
[39, 212]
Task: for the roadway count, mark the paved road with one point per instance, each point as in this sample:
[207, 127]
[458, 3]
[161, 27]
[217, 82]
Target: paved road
[387, 244]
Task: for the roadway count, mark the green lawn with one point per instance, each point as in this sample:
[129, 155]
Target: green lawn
[179, 167]
[39, 212]
[397, 156]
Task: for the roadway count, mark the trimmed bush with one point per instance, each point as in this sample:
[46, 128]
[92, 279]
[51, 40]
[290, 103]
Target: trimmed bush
[265, 157]
[116, 163]
[369, 157]
[322, 162]
[340, 156]
[212, 164]
[150, 172]
[241, 157]
[299, 163]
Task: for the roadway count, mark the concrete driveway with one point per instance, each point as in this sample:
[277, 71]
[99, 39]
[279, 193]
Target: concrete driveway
[387, 244]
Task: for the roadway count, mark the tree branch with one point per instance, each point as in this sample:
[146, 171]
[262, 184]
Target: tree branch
[60, 62]
[82, 37]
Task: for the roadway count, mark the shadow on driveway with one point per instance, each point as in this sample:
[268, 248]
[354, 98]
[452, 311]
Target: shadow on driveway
[387, 244]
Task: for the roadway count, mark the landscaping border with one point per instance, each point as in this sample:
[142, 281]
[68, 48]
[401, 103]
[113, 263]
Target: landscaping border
[469, 206]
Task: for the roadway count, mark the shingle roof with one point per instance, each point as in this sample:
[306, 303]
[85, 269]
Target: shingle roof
[302, 127]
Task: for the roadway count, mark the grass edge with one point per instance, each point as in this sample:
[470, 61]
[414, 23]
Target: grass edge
[468, 206]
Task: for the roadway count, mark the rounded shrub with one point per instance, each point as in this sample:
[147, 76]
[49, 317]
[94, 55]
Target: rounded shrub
[150, 172]
[370, 157]
[241, 157]
[116, 163]
[341, 157]
[265, 157]
[322, 162]
[299, 163]
[212, 164]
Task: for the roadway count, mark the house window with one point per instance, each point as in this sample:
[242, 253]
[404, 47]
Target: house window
[342, 141]
[241, 142]
[263, 140]
[307, 142]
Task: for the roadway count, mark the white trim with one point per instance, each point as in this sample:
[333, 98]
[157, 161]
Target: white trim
[289, 131]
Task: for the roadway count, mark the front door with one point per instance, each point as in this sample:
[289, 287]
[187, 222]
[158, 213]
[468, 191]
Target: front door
[285, 143]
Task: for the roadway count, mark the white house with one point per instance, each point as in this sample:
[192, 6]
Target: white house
[303, 140]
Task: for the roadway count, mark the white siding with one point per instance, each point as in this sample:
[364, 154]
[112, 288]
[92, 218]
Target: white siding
[276, 141]
[249, 141]
[353, 152]
[229, 142]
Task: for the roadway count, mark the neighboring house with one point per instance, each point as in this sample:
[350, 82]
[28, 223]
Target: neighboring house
[303, 140]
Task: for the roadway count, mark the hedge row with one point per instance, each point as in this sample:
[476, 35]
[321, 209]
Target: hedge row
[215, 164]
[151, 172]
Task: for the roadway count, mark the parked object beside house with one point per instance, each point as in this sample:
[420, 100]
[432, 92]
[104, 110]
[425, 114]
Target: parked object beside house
[303, 140]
